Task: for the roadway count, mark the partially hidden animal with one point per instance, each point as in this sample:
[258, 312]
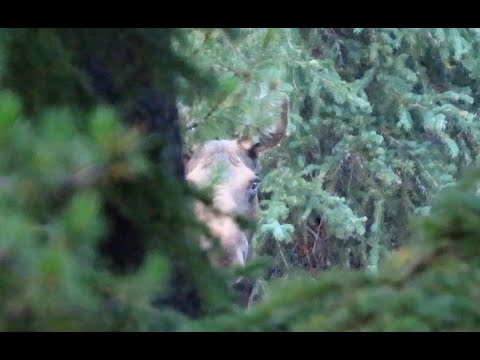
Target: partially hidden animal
[230, 168]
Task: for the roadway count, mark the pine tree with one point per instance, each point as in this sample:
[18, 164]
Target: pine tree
[96, 230]
[381, 120]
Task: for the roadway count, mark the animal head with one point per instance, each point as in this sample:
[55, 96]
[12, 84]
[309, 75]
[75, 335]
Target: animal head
[230, 166]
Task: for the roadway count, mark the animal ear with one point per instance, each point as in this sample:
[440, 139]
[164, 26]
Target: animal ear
[268, 138]
[250, 146]
[247, 143]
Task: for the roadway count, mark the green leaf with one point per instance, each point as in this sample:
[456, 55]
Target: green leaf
[405, 120]
[280, 232]
[10, 110]
[434, 122]
[83, 217]
[51, 266]
[104, 126]
[452, 147]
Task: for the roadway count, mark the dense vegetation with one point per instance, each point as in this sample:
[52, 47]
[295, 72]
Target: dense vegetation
[369, 205]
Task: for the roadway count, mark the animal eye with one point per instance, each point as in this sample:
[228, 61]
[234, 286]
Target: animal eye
[255, 184]
[252, 192]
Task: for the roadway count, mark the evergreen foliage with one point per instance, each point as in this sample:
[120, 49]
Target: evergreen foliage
[428, 285]
[96, 227]
[90, 205]
[381, 120]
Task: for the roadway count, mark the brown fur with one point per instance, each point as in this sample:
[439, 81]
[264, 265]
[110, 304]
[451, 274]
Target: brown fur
[231, 197]
[233, 194]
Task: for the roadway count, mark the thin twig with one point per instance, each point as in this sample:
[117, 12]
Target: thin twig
[350, 180]
[312, 231]
[291, 46]
[283, 256]
[416, 105]
[85, 177]
[293, 79]
[305, 240]
[89, 176]
[318, 234]
[423, 262]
